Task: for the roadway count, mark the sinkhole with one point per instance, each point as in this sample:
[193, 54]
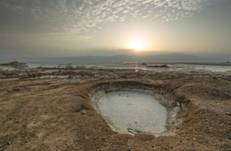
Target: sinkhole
[134, 111]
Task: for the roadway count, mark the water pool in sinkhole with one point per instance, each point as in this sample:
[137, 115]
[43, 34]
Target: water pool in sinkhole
[131, 111]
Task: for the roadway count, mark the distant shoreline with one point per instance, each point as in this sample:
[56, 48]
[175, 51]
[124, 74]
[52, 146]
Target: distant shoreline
[118, 63]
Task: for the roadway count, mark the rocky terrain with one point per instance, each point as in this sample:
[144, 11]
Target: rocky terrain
[49, 109]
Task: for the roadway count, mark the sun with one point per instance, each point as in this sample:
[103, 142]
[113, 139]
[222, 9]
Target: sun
[137, 44]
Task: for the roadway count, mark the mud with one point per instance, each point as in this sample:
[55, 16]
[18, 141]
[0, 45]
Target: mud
[39, 111]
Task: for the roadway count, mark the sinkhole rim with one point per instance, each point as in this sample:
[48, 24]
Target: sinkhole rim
[173, 109]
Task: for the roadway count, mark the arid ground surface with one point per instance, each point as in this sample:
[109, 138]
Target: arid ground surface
[50, 110]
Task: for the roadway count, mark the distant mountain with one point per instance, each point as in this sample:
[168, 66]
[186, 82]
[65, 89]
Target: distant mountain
[163, 58]
[174, 57]
[151, 58]
[15, 64]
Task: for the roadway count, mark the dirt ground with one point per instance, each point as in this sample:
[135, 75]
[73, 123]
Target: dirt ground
[50, 110]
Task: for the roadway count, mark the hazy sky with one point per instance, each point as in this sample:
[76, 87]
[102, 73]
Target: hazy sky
[96, 27]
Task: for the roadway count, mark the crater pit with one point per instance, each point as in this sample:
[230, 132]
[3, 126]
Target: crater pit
[135, 111]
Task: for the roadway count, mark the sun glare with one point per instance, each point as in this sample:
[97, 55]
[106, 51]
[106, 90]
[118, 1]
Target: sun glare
[137, 44]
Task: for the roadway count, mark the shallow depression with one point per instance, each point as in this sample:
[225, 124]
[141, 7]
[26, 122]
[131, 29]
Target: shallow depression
[131, 111]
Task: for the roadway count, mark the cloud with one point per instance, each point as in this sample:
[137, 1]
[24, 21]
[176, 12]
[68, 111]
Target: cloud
[82, 16]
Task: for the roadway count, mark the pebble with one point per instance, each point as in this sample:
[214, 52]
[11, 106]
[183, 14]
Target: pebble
[228, 113]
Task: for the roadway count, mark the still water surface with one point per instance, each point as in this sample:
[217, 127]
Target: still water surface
[131, 112]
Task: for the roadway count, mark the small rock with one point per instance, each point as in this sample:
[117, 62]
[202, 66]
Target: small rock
[84, 112]
[86, 137]
[228, 113]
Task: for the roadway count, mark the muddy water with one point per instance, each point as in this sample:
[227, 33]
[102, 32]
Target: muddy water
[131, 112]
